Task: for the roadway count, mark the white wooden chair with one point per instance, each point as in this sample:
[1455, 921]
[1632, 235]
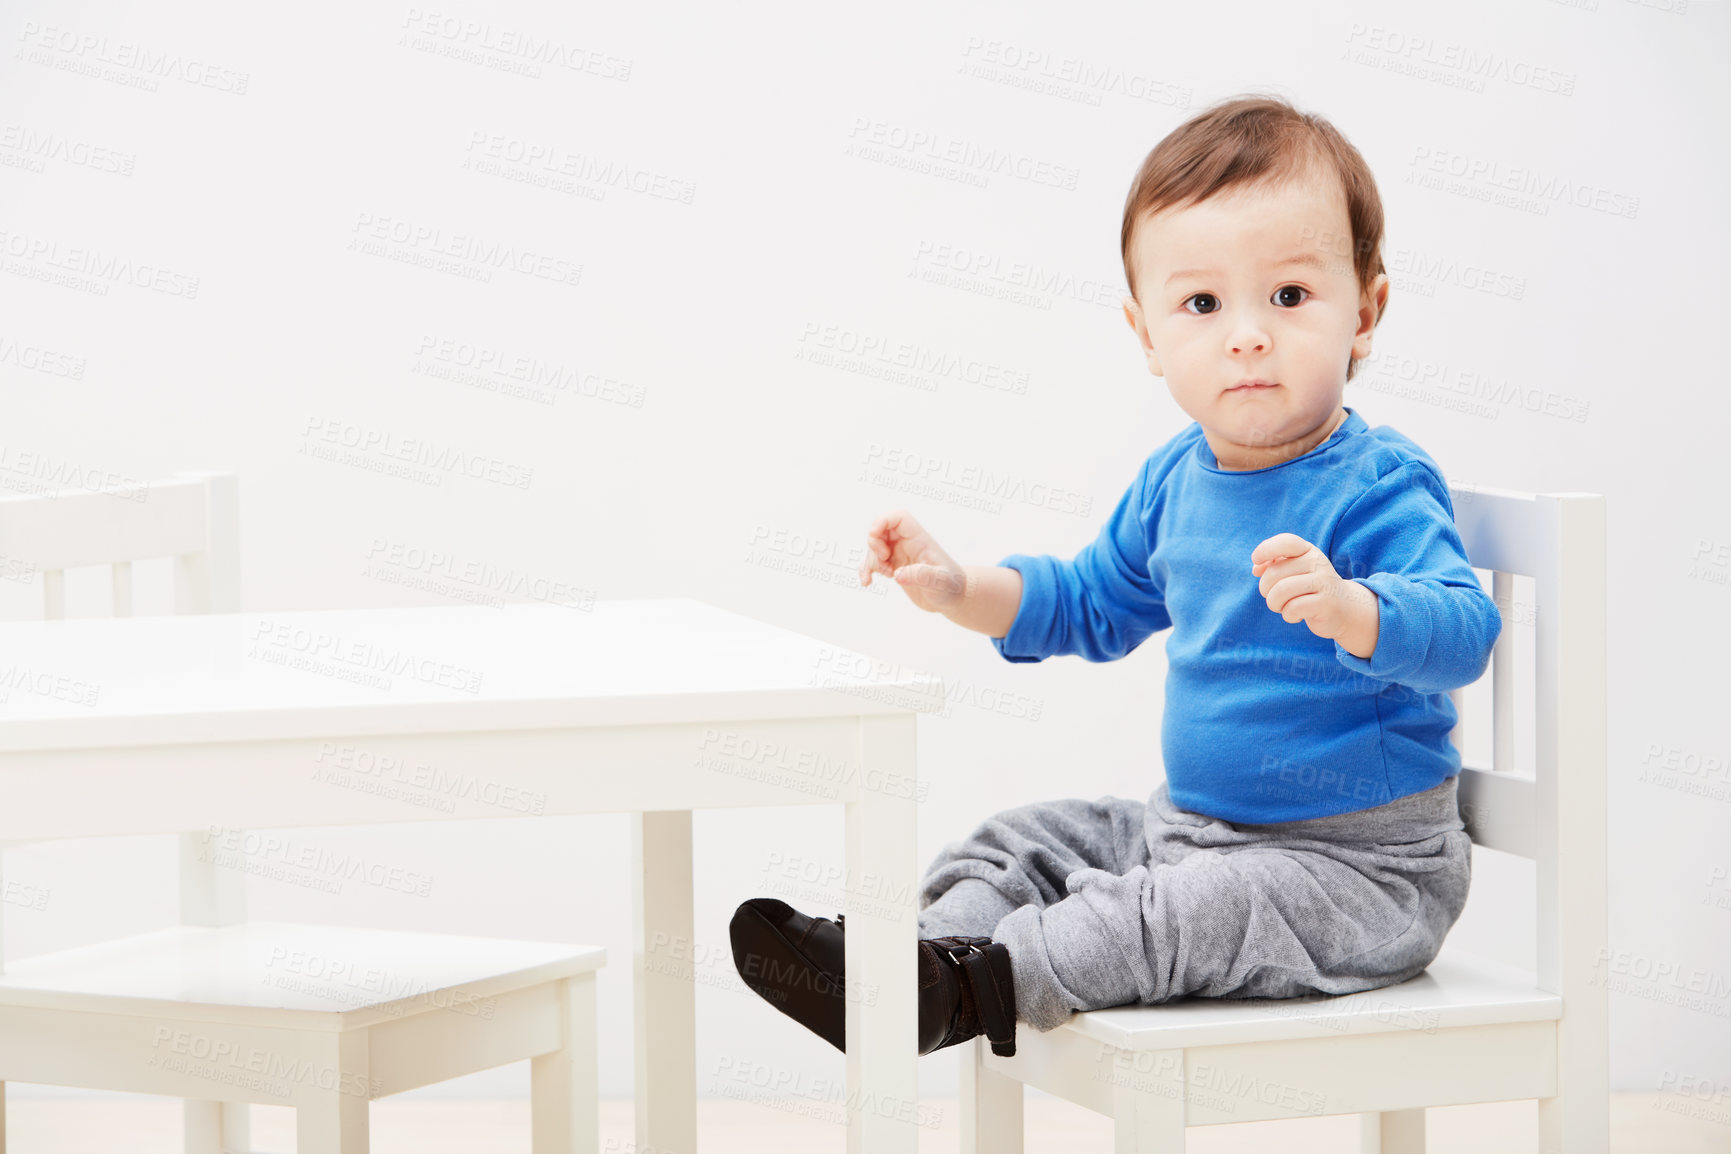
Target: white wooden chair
[216, 1010]
[1467, 1029]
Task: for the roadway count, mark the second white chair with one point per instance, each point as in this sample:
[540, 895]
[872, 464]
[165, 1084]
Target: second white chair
[214, 1009]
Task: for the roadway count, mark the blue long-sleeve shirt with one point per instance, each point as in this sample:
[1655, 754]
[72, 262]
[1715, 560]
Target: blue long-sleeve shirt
[1264, 720]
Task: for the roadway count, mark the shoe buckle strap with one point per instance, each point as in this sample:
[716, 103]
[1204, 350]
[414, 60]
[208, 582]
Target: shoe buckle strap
[989, 1003]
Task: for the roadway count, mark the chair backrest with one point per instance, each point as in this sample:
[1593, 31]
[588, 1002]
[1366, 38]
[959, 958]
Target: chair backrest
[192, 518]
[1556, 815]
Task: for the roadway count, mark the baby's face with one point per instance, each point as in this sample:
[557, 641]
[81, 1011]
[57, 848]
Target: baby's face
[1254, 284]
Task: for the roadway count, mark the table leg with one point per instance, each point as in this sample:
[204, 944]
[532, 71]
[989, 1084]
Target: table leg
[3, 848]
[881, 943]
[664, 993]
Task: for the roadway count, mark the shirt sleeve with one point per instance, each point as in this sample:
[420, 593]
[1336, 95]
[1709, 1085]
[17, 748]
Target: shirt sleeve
[1436, 623]
[1101, 604]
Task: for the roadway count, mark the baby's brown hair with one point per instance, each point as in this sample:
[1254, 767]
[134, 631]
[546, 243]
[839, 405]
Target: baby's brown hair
[1246, 140]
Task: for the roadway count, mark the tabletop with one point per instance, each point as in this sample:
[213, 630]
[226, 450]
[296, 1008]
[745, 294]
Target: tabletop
[97, 682]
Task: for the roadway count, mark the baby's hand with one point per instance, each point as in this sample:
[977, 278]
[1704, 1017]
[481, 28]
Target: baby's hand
[1300, 584]
[898, 547]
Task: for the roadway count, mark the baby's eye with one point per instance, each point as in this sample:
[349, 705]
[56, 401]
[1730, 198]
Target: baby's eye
[1291, 288]
[1202, 296]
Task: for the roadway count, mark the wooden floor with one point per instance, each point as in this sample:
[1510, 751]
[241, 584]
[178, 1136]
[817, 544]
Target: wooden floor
[1640, 1124]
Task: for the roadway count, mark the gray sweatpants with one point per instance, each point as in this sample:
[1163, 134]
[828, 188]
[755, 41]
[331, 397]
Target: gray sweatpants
[1113, 902]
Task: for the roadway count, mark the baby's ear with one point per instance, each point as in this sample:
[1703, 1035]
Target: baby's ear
[1133, 315]
[1375, 300]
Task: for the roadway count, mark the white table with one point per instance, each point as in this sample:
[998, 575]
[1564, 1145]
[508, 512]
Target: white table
[238, 721]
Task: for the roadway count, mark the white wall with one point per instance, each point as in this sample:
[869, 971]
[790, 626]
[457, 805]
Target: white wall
[746, 458]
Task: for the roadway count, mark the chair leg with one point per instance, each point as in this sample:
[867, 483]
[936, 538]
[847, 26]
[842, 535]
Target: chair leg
[564, 1086]
[334, 1121]
[211, 895]
[1148, 1105]
[991, 1105]
[1392, 1132]
[215, 1127]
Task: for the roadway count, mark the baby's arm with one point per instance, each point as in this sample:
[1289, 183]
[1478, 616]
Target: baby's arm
[979, 597]
[990, 602]
[1101, 604]
[1436, 624]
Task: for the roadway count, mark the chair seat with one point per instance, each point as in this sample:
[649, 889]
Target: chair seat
[1457, 989]
[334, 978]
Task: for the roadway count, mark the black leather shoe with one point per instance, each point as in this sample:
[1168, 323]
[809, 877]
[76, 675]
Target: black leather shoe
[966, 989]
[796, 963]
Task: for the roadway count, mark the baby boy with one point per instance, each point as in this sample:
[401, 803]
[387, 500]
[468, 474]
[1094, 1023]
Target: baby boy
[1306, 838]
